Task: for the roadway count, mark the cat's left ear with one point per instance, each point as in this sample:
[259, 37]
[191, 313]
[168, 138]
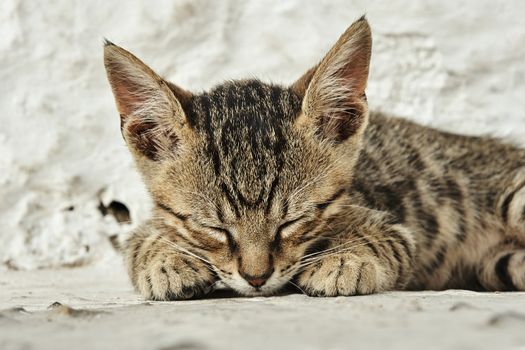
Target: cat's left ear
[334, 102]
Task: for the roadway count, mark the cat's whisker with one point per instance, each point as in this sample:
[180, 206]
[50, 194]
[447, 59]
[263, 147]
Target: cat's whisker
[179, 252]
[186, 251]
[315, 259]
[361, 207]
[314, 254]
[368, 239]
[297, 286]
[336, 247]
[214, 284]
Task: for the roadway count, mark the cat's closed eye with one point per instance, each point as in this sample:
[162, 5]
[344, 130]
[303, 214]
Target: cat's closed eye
[219, 233]
[288, 227]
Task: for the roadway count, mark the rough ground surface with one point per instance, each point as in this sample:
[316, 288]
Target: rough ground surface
[95, 308]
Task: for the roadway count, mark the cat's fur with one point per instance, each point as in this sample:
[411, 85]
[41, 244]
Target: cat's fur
[260, 185]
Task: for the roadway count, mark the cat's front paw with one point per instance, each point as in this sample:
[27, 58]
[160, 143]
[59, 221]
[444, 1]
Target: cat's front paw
[342, 274]
[174, 277]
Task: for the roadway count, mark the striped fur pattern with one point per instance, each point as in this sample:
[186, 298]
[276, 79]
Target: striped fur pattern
[260, 186]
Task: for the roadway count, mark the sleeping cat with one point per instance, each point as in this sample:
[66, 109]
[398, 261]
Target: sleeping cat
[260, 185]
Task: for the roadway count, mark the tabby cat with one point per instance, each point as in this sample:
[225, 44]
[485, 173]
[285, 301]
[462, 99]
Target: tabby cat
[260, 185]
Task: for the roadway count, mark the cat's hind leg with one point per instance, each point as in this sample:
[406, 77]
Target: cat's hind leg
[511, 204]
[503, 269]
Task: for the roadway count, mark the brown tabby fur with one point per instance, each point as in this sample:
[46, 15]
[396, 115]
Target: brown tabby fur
[260, 185]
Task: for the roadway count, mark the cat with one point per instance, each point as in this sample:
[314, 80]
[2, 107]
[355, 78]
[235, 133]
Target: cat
[260, 186]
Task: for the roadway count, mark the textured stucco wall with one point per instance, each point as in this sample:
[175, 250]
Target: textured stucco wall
[458, 65]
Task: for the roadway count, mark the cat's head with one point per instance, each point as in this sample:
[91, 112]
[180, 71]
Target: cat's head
[248, 175]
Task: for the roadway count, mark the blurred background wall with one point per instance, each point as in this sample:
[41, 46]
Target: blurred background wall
[66, 178]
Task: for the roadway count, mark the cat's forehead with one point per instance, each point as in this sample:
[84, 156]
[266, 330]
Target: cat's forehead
[246, 131]
[244, 103]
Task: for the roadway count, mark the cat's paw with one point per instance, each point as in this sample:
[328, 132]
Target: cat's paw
[174, 277]
[342, 274]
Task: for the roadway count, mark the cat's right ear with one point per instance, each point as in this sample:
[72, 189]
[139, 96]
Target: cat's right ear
[151, 109]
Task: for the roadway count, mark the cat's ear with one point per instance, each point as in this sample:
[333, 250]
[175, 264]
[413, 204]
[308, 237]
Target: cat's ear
[151, 109]
[334, 101]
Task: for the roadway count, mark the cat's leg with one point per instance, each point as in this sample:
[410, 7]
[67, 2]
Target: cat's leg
[503, 269]
[371, 257]
[160, 271]
[511, 204]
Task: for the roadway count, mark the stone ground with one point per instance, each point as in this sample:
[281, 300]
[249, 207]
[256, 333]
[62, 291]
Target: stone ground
[95, 307]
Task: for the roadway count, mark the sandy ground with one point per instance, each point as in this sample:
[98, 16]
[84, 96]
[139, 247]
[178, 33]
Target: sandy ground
[95, 307]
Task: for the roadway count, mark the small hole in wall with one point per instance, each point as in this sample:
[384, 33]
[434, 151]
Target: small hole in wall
[118, 210]
[113, 239]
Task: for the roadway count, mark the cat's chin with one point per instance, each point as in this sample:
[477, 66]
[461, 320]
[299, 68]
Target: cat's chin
[248, 291]
[258, 293]
[254, 293]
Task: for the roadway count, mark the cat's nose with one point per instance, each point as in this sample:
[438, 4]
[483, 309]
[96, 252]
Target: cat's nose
[256, 281]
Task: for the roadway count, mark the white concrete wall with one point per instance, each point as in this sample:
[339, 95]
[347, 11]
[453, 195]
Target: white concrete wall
[459, 65]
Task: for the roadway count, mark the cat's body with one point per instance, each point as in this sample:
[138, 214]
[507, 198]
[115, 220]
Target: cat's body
[261, 185]
[452, 192]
